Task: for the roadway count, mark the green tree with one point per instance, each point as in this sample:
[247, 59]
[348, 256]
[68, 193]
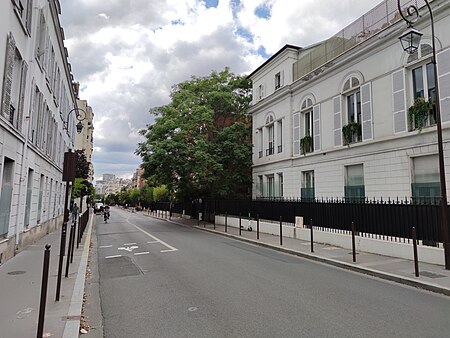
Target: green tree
[160, 193]
[146, 195]
[200, 143]
[83, 166]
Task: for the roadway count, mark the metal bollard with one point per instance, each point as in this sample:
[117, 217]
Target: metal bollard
[281, 231]
[68, 252]
[353, 242]
[226, 221]
[416, 260]
[62, 249]
[79, 231]
[240, 226]
[312, 235]
[44, 285]
[257, 226]
[214, 220]
[73, 241]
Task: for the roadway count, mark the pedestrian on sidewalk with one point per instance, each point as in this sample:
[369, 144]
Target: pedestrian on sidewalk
[74, 212]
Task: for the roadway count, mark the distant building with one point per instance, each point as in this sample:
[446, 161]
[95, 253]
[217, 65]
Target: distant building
[109, 177]
[85, 139]
[140, 181]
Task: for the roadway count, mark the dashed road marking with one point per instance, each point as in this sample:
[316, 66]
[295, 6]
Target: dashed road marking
[141, 253]
[114, 256]
[105, 246]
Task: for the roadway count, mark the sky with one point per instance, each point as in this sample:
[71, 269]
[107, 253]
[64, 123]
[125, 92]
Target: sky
[127, 54]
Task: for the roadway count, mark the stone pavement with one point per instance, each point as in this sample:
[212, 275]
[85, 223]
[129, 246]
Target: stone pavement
[431, 277]
[20, 290]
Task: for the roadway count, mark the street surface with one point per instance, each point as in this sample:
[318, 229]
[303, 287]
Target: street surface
[160, 279]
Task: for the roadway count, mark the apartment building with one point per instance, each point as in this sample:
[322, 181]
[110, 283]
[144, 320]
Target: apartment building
[332, 120]
[36, 126]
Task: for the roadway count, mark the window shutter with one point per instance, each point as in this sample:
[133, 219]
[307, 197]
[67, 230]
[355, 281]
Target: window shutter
[366, 111]
[316, 126]
[23, 81]
[263, 91]
[29, 15]
[337, 107]
[31, 111]
[296, 131]
[398, 100]
[282, 78]
[8, 75]
[443, 68]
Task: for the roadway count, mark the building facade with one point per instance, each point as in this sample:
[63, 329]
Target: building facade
[85, 139]
[332, 120]
[35, 125]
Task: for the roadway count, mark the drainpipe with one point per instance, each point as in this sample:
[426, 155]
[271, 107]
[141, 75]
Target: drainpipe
[22, 182]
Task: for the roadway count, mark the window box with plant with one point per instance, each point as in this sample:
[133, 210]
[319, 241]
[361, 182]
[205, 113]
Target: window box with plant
[421, 114]
[306, 144]
[351, 132]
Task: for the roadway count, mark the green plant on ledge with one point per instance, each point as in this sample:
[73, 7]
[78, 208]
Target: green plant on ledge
[418, 113]
[306, 144]
[351, 132]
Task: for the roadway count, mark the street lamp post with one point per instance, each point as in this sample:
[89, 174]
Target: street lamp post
[80, 115]
[410, 42]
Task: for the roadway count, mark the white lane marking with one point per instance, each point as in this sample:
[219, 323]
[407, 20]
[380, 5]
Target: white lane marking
[129, 244]
[171, 248]
[114, 256]
[128, 248]
[152, 242]
[105, 246]
[141, 253]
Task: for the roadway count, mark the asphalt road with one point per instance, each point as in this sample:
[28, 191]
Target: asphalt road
[160, 279]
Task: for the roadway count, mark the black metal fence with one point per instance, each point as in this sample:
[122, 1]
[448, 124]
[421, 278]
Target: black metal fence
[381, 219]
[391, 218]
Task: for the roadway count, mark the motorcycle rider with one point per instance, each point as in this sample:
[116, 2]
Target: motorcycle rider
[106, 212]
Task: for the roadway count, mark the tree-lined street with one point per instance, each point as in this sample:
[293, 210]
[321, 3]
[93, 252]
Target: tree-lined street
[162, 279]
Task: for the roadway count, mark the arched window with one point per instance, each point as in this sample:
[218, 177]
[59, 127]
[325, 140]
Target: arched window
[307, 120]
[352, 107]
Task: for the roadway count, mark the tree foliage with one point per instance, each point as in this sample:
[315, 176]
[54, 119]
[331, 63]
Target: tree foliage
[83, 166]
[200, 143]
[81, 185]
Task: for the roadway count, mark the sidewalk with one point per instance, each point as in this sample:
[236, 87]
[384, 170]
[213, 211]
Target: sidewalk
[20, 291]
[431, 277]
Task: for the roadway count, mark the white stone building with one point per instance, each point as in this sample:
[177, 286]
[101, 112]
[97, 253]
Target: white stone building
[360, 75]
[36, 98]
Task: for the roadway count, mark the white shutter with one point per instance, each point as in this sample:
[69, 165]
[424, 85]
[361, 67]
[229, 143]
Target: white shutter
[398, 101]
[316, 127]
[29, 15]
[282, 78]
[443, 68]
[8, 75]
[31, 112]
[296, 134]
[337, 107]
[23, 81]
[366, 111]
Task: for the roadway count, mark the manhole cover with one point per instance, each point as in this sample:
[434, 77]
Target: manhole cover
[431, 274]
[16, 272]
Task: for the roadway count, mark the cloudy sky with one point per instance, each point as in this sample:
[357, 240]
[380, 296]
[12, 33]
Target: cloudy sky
[127, 54]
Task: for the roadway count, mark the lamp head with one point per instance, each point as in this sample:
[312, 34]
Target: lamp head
[79, 127]
[410, 40]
